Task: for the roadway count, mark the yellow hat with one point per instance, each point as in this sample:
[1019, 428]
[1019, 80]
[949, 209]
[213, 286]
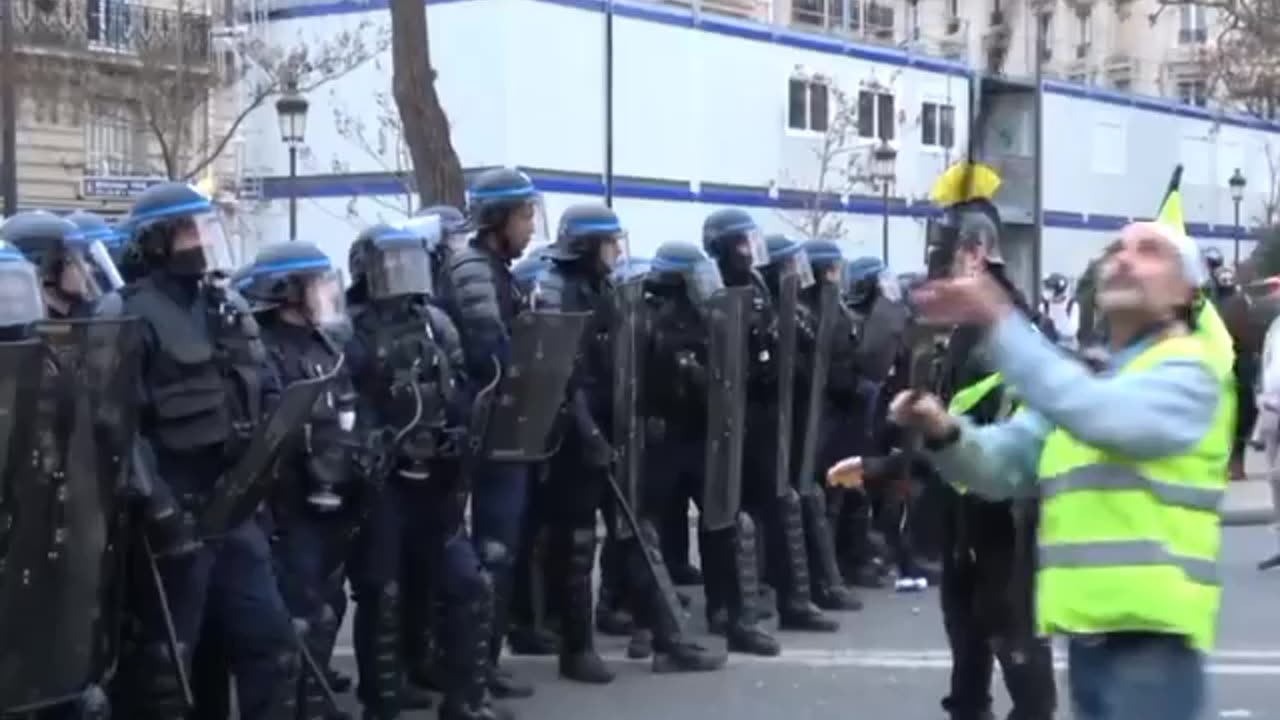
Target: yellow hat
[959, 184]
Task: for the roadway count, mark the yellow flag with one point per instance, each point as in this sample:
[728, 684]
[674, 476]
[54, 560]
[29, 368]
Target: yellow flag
[207, 185]
[1209, 324]
[958, 184]
[1171, 206]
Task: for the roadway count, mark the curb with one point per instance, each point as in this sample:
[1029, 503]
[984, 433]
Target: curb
[1248, 517]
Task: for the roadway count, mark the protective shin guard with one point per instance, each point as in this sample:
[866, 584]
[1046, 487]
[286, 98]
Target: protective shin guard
[743, 596]
[796, 610]
[1028, 676]
[829, 591]
[313, 704]
[418, 644]
[497, 561]
[578, 658]
[284, 706]
[376, 637]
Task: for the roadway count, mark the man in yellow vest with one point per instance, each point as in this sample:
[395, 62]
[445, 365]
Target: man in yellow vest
[1129, 465]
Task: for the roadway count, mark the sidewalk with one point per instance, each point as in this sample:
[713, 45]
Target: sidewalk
[1248, 502]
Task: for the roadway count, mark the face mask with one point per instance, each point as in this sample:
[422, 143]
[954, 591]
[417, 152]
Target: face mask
[189, 262]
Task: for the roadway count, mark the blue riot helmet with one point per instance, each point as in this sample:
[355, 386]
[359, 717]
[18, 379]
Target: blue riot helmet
[735, 241]
[864, 280]
[826, 260]
[503, 204]
[589, 231]
[299, 282]
[96, 227]
[788, 258]
[395, 263]
[72, 268]
[452, 222]
[681, 266]
[177, 229]
[631, 268]
[526, 270]
[21, 302]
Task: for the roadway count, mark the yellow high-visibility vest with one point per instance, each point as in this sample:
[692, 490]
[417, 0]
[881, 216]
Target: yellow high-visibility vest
[1132, 545]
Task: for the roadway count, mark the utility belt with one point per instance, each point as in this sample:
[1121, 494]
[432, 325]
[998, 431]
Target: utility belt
[418, 457]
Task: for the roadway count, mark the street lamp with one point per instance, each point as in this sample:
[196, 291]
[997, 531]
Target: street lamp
[883, 159]
[1237, 183]
[292, 111]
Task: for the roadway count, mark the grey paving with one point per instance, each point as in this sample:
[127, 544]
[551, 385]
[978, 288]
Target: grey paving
[890, 661]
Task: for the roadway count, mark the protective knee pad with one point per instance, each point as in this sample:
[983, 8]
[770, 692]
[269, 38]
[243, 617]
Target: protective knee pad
[497, 560]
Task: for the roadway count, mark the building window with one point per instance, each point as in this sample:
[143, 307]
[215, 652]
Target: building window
[1123, 84]
[1046, 31]
[113, 140]
[1193, 28]
[953, 8]
[1085, 28]
[875, 114]
[937, 125]
[1193, 92]
[825, 13]
[107, 24]
[879, 17]
[807, 105]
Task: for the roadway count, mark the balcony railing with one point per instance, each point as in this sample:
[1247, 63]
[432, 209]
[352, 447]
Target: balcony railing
[121, 27]
[870, 21]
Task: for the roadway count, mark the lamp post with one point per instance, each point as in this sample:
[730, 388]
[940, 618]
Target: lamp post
[1236, 182]
[883, 158]
[292, 111]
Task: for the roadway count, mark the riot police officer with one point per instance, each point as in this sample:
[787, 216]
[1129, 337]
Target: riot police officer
[408, 368]
[826, 372]
[506, 211]
[97, 228]
[297, 295]
[72, 266]
[729, 236]
[679, 365]
[588, 244]
[206, 388]
[441, 244]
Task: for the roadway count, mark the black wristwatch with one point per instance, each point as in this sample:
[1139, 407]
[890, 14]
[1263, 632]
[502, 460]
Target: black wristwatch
[943, 442]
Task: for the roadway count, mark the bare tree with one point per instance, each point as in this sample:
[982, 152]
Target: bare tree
[840, 170]
[182, 81]
[380, 138]
[437, 171]
[1241, 63]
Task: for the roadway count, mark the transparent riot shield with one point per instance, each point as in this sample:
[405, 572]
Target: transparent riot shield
[629, 336]
[728, 312]
[544, 345]
[882, 338]
[241, 489]
[827, 307]
[66, 518]
[785, 305]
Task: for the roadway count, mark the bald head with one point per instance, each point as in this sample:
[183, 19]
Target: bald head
[1151, 271]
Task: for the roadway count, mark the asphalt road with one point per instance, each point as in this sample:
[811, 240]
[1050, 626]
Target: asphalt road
[890, 661]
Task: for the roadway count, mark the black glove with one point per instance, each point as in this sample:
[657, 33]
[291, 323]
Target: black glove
[170, 529]
[597, 450]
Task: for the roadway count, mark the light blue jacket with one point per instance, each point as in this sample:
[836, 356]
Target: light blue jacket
[1149, 414]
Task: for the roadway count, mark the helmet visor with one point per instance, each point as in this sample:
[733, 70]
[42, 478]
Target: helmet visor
[756, 248]
[702, 281]
[204, 238]
[105, 265]
[81, 277]
[796, 264]
[20, 300]
[614, 249]
[324, 300]
[398, 267]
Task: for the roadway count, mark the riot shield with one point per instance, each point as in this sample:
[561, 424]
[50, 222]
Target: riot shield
[728, 312]
[786, 307]
[882, 338]
[240, 490]
[544, 345]
[64, 506]
[629, 335]
[827, 307]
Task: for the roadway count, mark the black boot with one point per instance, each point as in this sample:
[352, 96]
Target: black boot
[743, 631]
[796, 610]
[497, 560]
[377, 641]
[829, 591]
[578, 657]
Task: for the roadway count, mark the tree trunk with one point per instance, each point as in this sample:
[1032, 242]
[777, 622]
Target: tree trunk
[437, 172]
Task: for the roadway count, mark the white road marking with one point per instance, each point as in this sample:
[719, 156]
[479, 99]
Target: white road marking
[1260, 662]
